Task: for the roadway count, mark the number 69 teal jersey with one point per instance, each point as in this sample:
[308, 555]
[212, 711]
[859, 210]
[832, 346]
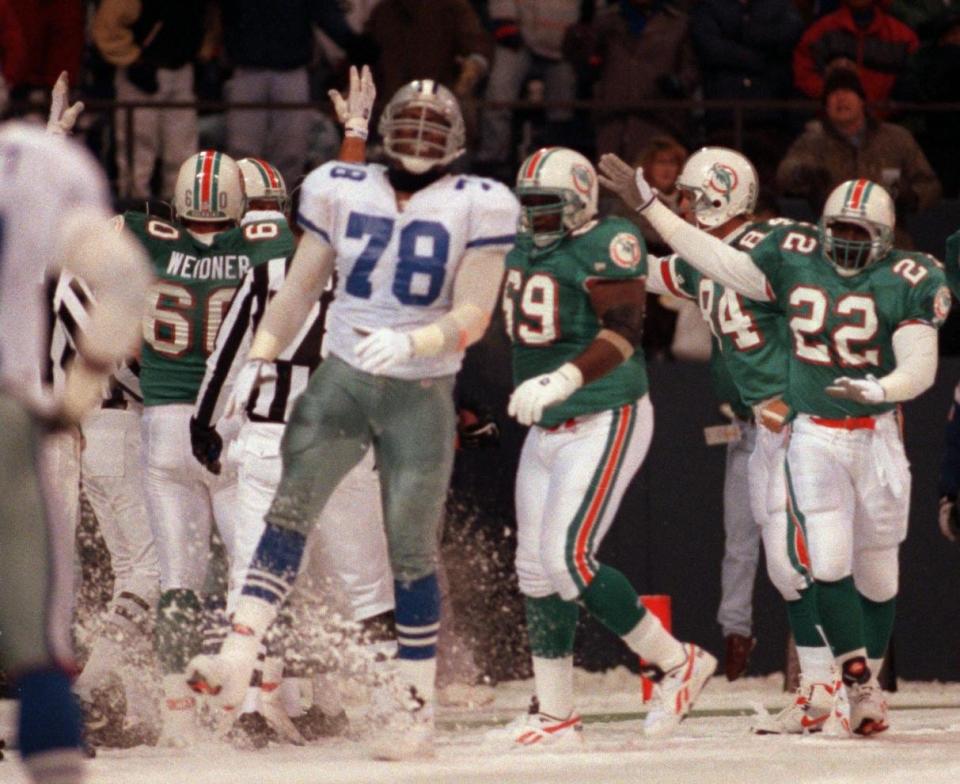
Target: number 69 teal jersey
[844, 326]
[550, 319]
[396, 267]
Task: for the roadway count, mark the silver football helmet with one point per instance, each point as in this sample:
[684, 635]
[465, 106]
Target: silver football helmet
[262, 180]
[721, 183]
[208, 188]
[422, 126]
[865, 204]
[557, 189]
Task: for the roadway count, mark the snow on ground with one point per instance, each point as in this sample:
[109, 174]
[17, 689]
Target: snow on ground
[712, 747]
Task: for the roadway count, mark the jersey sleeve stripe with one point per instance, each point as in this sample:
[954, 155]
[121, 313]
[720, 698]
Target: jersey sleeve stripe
[503, 239]
[666, 273]
[315, 229]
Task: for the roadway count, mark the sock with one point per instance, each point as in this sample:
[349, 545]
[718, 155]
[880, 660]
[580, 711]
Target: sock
[816, 664]
[841, 616]
[49, 716]
[179, 637]
[554, 684]
[649, 640]
[551, 625]
[611, 600]
[816, 659]
[878, 618]
[418, 624]
[275, 565]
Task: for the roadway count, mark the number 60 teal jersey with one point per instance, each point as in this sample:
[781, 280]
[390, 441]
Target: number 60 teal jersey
[550, 319]
[193, 288]
[844, 326]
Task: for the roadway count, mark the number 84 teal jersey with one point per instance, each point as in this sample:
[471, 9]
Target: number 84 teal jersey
[396, 266]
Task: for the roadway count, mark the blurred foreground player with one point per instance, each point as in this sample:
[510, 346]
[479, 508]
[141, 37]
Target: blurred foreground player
[54, 211]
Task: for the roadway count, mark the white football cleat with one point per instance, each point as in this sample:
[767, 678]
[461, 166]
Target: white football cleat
[404, 727]
[537, 730]
[223, 678]
[178, 712]
[868, 708]
[677, 691]
[812, 706]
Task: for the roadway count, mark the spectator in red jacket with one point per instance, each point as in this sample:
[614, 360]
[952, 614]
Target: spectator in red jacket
[53, 37]
[13, 55]
[863, 34]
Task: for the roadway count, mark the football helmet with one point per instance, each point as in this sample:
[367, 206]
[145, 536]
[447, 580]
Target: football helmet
[261, 180]
[208, 188]
[722, 184]
[861, 203]
[557, 188]
[422, 126]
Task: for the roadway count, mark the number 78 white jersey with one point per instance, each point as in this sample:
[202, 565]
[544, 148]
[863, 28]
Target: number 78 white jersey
[396, 268]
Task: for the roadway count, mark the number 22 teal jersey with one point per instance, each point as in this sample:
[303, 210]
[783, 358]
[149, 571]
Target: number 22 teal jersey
[550, 319]
[186, 304]
[844, 325]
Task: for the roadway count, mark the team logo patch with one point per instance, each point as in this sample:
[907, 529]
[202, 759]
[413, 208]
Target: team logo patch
[582, 178]
[625, 250]
[723, 180]
[941, 304]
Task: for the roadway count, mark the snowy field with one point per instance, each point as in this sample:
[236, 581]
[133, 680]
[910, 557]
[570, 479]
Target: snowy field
[713, 746]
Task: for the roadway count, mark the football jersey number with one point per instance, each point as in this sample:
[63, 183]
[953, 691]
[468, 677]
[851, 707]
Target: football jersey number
[538, 300]
[424, 247]
[167, 325]
[729, 317]
[859, 312]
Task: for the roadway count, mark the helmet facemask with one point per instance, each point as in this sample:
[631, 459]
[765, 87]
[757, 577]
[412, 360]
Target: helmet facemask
[422, 129]
[548, 214]
[850, 254]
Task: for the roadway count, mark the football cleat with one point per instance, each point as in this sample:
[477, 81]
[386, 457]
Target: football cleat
[812, 706]
[406, 730]
[223, 679]
[868, 708]
[276, 716]
[677, 690]
[538, 730]
[178, 710]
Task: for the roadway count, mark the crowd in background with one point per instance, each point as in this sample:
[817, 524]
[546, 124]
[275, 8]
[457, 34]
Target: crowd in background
[581, 71]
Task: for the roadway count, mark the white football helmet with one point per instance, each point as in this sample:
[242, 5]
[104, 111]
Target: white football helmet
[865, 204]
[557, 188]
[262, 181]
[422, 126]
[208, 188]
[722, 184]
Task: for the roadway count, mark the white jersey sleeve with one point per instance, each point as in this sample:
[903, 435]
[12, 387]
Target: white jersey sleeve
[45, 178]
[396, 267]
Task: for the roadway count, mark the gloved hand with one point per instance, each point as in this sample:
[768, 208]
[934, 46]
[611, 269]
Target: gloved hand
[353, 112]
[506, 32]
[206, 444]
[860, 390]
[628, 183]
[383, 349]
[62, 117]
[535, 394]
[949, 520]
[251, 375]
[477, 429]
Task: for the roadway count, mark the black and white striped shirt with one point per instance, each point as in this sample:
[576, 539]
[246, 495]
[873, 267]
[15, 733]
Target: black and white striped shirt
[273, 400]
[70, 301]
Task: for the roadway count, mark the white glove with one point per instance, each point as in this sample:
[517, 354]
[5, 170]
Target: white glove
[860, 390]
[254, 373]
[535, 394]
[62, 117]
[354, 111]
[383, 349]
[628, 183]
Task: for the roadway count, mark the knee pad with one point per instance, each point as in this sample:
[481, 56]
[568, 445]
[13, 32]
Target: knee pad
[533, 581]
[787, 580]
[830, 570]
[876, 573]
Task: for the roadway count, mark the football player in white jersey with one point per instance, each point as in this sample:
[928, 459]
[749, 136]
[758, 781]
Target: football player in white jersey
[54, 214]
[419, 255]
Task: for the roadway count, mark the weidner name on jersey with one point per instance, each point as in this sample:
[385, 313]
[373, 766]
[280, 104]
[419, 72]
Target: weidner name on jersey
[216, 267]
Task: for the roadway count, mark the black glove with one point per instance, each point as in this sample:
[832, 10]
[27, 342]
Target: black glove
[206, 444]
[143, 77]
[477, 429]
[506, 32]
[949, 520]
